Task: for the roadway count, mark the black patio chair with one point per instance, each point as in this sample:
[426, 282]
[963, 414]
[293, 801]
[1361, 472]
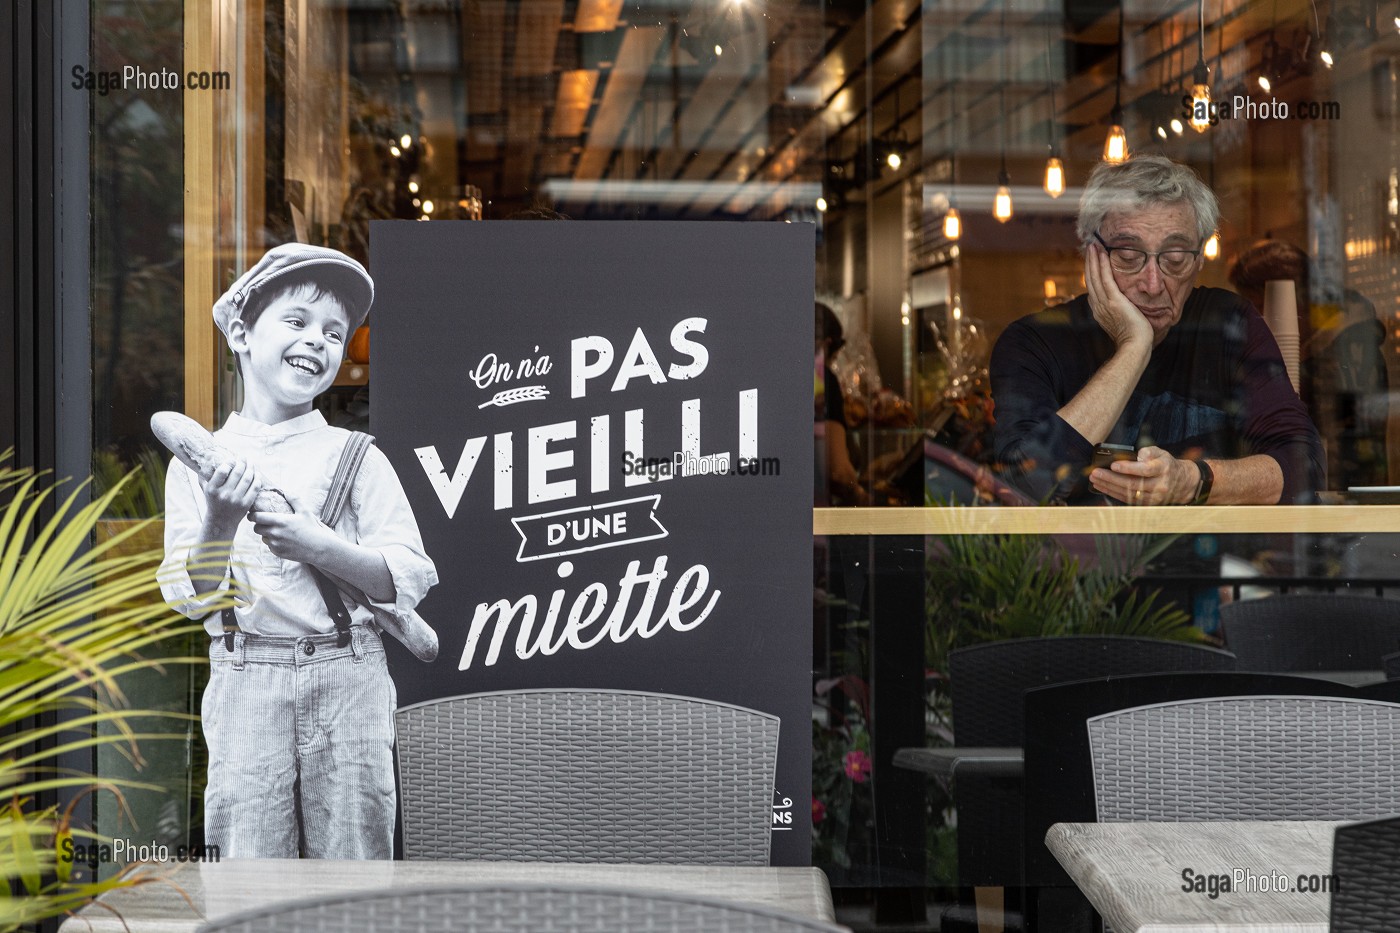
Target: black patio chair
[988, 682]
[1311, 632]
[1365, 860]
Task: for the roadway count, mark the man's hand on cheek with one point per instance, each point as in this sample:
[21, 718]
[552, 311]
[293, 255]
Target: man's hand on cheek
[1154, 478]
[1118, 316]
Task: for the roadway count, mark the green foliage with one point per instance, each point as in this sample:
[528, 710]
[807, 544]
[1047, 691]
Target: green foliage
[74, 618]
[992, 587]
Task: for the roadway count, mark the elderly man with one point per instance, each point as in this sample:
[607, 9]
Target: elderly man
[1189, 380]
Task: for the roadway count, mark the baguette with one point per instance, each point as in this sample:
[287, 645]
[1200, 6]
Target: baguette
[196, 448]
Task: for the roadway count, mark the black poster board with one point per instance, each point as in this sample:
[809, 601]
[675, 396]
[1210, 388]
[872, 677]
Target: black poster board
[533, 384]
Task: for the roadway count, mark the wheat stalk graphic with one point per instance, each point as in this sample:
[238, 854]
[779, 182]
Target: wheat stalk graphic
[519, 394]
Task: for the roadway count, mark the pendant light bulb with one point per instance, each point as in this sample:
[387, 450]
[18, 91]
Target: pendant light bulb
[952, 224]
[1326, 57]
[1212, 247]
[1054, 177]
[1266, 84]
[1115, 147]
[1001, 207]
[1200, 98]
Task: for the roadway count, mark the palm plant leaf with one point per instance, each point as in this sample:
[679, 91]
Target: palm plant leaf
[75, 616]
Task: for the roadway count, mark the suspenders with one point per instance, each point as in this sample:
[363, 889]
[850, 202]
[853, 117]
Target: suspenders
[336, 499]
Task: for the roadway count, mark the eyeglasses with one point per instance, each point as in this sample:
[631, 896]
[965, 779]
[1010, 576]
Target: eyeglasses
[1130, 261]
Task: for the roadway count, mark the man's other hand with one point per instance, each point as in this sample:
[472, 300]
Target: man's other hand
[1154, 478]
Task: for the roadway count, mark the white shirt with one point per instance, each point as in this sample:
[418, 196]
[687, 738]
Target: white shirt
[276, 596]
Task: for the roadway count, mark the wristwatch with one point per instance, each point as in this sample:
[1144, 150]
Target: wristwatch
[1207, 480]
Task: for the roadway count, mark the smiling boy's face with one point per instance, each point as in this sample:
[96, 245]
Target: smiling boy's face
[290, 354]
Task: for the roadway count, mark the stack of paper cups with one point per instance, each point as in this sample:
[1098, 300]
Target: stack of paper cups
[1281, 314]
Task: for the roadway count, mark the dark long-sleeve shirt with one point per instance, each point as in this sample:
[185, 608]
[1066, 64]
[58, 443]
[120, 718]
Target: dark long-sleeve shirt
[1214, 387]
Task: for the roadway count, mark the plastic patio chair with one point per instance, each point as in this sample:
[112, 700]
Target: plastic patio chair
[1312, 632]
[1248, 758]
[513, 909]
[587, 776]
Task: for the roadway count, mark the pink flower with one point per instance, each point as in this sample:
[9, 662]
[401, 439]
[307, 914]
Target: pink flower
[818, 811]
[857, 766]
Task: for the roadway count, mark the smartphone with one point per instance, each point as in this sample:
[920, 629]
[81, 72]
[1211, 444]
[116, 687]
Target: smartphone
[1105, 454]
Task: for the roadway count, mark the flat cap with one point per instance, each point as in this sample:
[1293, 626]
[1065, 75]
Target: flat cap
[331, 268]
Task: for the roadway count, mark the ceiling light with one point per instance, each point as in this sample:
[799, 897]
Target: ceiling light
[1200, 98]
[719, 50]
[1115, 147]
[1001, 207]
[952, 224]
[1212, 249]
[413, 186]
[427, 207]
[1326, 57]
[394, 151]
[1054, 177]
[1177, 126]
[405, 140]
[1162, 132]
[1266, 85]
[894, 160]
[821, 205]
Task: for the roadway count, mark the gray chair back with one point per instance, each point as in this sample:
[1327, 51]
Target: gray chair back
[1365, 857]
[1312, 632]
[1248, 758]
[586, 776]
[513, 909]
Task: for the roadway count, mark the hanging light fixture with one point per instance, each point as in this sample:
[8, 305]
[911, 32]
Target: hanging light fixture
[1054, 177]
[1054, 168]
[1212, 247]
[1200, 80]
[1115, 147]
[1001, 205]
[1324, 53]
[892, 148]
[952, 221]
[952, 224]
[1270, 62]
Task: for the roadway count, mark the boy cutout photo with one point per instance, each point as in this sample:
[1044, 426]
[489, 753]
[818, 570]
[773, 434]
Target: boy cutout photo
[325, 555]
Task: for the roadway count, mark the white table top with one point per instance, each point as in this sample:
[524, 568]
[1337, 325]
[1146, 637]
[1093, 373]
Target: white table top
[218, 889]
[1133, 873]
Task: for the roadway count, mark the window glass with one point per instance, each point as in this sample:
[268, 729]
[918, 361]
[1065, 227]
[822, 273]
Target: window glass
[941, 151]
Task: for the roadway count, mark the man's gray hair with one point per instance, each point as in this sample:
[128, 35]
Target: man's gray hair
[1141, 181]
